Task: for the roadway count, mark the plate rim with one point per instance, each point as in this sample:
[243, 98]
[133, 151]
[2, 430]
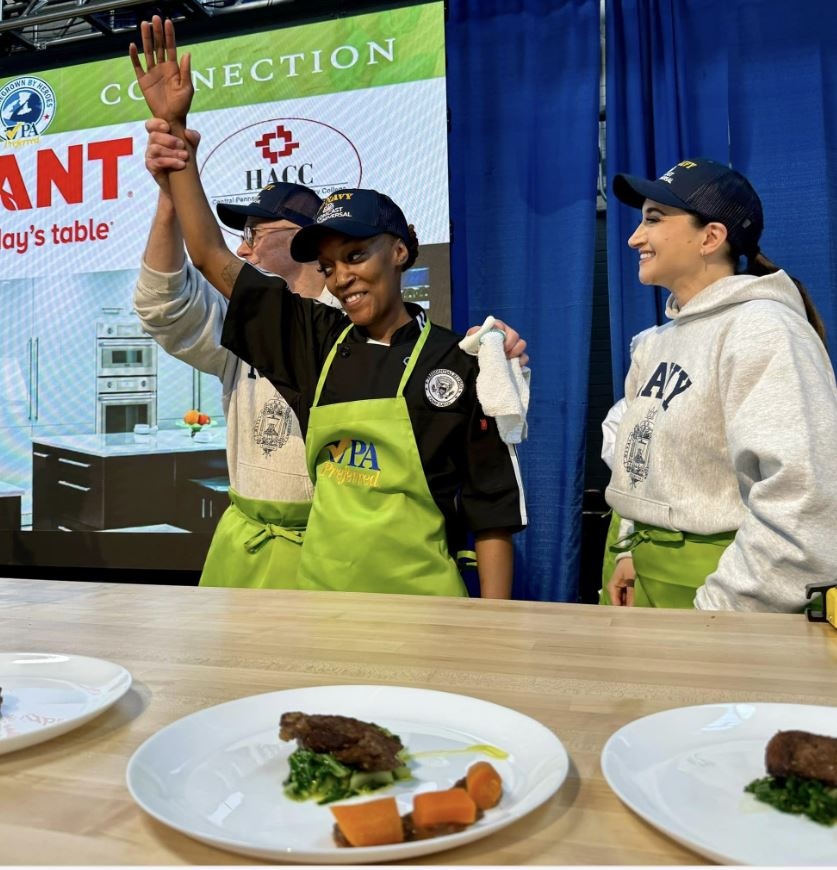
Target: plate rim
[355, 855]
[56, 729]
[695, 843]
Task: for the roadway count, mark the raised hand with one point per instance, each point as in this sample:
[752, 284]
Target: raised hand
[164, 152]
[165, 83]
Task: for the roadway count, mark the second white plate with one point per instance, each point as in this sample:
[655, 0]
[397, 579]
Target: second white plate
[47, 694]
[684, 771]
[217, 775]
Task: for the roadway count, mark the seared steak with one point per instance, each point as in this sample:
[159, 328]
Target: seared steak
[357, 744]
[799, 753]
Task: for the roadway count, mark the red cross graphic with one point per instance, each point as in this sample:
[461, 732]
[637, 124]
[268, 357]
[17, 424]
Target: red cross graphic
[279, 143]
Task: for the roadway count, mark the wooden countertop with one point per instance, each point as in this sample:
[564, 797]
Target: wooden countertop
[582, 671]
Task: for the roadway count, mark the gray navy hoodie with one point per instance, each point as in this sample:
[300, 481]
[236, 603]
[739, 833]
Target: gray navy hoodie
[731, 424]
[184, 313]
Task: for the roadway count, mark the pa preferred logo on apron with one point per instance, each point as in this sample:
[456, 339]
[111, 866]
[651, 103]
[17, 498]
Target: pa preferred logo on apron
[443, 387]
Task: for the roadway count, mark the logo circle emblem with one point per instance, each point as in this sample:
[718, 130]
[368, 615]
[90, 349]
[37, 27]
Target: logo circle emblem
[288, 149]
[443, 387]
[27, 107]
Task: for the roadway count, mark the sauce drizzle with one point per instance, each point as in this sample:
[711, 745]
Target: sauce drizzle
[484, 748]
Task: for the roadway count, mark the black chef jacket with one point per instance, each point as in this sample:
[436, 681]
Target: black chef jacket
[472, 475]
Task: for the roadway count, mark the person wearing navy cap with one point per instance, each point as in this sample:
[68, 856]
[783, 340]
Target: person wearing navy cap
[395, 437]
[416, 409]
[269, 483]
[410, 456]
[725, 467]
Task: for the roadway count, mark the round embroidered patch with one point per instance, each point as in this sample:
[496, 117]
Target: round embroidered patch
[443, 387]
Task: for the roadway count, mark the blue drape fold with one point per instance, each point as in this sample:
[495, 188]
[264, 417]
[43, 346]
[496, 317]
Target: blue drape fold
[783, 135]
[523, 95]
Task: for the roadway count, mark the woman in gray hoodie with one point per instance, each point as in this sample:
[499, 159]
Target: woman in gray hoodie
[725, 465]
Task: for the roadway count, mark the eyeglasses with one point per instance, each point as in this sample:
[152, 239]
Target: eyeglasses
[250, 236]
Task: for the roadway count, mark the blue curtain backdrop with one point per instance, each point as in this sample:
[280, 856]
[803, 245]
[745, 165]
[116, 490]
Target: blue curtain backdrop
[523, 90]
[783, 135]
[748, 82]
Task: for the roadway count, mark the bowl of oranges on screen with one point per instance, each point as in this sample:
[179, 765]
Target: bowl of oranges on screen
[196, 421]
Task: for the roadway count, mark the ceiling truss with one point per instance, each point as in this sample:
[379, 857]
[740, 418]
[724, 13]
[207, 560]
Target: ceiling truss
[33, 25]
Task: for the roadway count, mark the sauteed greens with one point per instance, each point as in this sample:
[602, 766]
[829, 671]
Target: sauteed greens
[793, 794]
[321, 777]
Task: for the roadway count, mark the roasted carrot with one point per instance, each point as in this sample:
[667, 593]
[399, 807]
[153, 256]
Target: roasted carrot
[374, 823]
[484, 785]
[452, 807]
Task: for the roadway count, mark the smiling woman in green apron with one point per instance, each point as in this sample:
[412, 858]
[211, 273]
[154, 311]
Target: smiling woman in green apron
[403, 458]
[725, 467]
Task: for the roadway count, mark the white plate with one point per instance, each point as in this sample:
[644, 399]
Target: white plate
[684, 771]
[217, 775]
[45, 695]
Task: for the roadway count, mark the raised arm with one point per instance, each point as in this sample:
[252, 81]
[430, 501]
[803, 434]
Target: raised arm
[176, 305]
[166, 85]
[164, 152]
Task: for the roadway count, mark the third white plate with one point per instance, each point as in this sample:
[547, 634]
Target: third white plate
[684, 771]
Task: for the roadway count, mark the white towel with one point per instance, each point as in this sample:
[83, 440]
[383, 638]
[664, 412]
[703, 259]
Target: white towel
[502, 384]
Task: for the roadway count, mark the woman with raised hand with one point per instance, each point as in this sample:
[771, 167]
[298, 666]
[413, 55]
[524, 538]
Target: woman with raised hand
[402, 456]
[725, 460]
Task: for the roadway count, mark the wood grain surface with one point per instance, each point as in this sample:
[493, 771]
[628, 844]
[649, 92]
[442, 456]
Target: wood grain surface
[581, 670]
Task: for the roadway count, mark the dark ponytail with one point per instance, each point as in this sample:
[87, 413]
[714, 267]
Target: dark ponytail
[412, 248]
[758, 264]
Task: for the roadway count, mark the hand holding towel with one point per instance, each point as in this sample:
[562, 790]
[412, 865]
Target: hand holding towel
[502, 384]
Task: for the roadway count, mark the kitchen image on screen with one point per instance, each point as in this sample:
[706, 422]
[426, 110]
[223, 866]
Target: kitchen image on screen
[91, 423]
[93, 438]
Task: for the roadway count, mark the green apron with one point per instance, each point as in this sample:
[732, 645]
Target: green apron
[374, 525]
[671, 566]
[257, 544]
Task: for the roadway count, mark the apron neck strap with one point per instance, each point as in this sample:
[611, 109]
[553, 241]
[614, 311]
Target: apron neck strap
[327, 364]
[408, 369]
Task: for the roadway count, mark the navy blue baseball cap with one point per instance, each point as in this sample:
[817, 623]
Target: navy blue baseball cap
[279, 201]
[354, 212]
[706, 188]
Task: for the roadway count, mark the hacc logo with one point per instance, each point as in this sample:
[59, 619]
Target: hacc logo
[292, 150]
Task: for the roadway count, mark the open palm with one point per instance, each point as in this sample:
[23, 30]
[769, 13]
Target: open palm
[165, 83]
